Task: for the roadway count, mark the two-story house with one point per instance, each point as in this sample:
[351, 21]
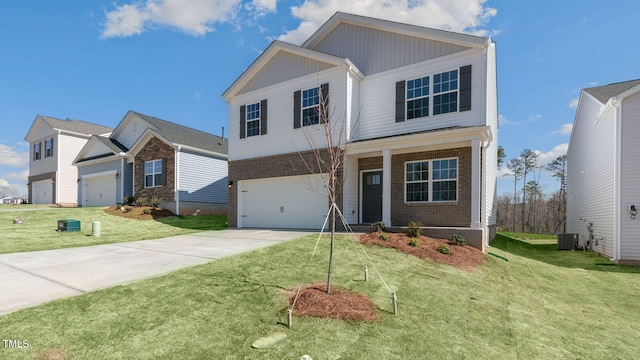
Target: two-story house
[149, 157]
[416, 109]
[54, 143]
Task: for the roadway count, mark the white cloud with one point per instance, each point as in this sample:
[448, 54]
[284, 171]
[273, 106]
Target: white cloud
[565, 129]
[549, 156]
[574, 103]
[194, 17]
[452, 15]
[4, 183]
[9, 156]
[503, 120]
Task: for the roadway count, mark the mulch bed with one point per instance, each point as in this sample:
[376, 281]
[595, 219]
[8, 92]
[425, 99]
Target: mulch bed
[463, 257]
[341, 304]
[137, 212]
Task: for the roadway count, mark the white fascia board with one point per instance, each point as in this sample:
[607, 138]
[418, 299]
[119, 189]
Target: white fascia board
[180, 147]
[431, 138]
[103, 173]
[99, 160]
[395, 27]
[37, 122]
[618, 98]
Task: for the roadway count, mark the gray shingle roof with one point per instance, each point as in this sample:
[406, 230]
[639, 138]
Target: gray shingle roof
[606, 92]
[183, 135]
[77, 126]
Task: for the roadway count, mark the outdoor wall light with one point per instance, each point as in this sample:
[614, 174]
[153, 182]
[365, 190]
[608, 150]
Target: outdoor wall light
[230, 184]
[117, 175]
[78, 180]
[633, 211]
[53, 180]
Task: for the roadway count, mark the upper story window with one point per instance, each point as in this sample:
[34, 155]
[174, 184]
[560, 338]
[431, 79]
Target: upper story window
[418, 98]
[445, 92]
[36, 151]
[311, 106]
[436, 94]
[253, 120]
[431, 180]
[153, 173]
[48, 148]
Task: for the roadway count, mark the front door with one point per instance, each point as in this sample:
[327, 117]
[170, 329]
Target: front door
[371, 196]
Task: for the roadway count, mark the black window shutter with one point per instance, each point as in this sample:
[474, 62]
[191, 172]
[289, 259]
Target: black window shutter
[465, 88]
[164, 172]
[51, 146]
[324, 102]
[297, 112]
[143, 174]
[34, 152]
[400, 90]
[263, 117]
[243, 120]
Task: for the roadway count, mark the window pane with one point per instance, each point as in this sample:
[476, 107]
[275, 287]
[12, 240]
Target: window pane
[159, 179]
[417, 88]
[253, 111]
[444, 191]
[445, 103]
[148, 180]
[418, 108]
[148, 168]
[447, 81]
[253, 128]
[310, 116]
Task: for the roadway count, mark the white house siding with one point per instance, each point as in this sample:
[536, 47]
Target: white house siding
[129, 134]
[281, 137]
[202, 179]
[44, 164]
[630, 178]
[67, 185]
[491, 120]
[392, 50]
[377, 96]
[89, 170]
[590, 174]
[284, 66]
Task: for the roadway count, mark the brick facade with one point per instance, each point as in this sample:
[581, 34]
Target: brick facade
[292, 164]
[155, 149]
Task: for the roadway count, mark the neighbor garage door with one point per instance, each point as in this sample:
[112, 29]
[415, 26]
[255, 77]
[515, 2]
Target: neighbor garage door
[42, 192]
[284, 202]
[99, 190]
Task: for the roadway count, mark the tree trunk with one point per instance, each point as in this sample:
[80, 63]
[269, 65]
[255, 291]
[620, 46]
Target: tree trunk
[333, 234]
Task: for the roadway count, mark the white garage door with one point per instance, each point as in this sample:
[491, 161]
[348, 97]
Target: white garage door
[42, 192]
[284, 203]
[99, 190]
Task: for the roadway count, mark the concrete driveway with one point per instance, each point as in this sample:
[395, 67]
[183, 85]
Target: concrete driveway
[34, 278]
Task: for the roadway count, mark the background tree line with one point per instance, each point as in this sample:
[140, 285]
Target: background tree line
[528, 209]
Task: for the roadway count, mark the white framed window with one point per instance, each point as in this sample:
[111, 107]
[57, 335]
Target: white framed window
[418, 98]
[431, 180]
[153, 173]
[252, 122]
[48, 148]
[37, 153]
[310, 106]
[445, 92]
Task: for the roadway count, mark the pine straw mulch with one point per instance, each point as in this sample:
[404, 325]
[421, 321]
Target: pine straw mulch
[463, 257]
[137, 212]
[314, 301]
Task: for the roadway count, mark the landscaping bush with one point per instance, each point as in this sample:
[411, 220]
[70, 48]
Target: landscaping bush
[128, 199]
[141, 201]
[155, 201]
[444, 249]
[414, 229]
[379, 226]
[146, 211]
[414, 242]
[457, 239]
[384, 237]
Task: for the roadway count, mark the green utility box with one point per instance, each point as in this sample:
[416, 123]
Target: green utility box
[68, 225]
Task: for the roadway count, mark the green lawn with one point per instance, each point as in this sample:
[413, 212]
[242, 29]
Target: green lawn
[38, 230]
[533, 302]
[532, 238]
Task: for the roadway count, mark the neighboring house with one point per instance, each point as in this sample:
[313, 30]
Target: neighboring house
[10, 201]
[603, 172]
[54, 143]
[417, 105]
[145, 157]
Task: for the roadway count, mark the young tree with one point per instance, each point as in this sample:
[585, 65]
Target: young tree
[529, 160]
[558, 169]
[501, 156]
[516, 167]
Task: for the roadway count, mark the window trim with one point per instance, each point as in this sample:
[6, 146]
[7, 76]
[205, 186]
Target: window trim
[154, 173]
[417, 98]
[441, 93]
[258, 119]
[431, 94]
[431, 181]
[37, 153]
[315, 106]
[48, 151]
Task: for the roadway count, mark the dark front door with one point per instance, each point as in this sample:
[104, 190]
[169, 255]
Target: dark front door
[371, 196]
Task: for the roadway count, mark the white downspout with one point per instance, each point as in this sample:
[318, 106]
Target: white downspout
[617, 182]
[176, 180]
[122, 180]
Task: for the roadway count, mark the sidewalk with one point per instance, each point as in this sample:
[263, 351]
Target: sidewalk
[34, 278]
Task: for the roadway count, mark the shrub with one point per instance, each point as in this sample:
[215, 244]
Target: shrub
[414, 229]
[384, 237]
[414, 242]
[379, 225]
[155, 201]
[141, 201]
[444, 249]
[128, 199]
[457, 239]
[146, 211]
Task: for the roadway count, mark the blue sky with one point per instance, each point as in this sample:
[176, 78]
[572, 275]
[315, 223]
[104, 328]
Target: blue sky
[95, 60]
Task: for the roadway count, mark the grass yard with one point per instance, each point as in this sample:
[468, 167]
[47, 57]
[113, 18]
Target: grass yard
[525, 307]
[532, 238]
[38, 230]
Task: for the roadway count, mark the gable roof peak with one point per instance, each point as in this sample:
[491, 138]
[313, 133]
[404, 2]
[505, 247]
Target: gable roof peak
[605, 92]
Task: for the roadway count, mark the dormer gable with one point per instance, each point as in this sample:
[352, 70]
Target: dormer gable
[282, 62]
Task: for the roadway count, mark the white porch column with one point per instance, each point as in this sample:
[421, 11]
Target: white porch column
[386, 187]
[476, 191]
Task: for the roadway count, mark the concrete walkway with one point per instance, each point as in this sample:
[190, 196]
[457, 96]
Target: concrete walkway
[34, 278]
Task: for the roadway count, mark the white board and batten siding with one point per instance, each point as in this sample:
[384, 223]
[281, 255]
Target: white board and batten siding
[590, 174]
[299, 202]
[281, 137]
[630, 178]
[67, 184]
[202, 178]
